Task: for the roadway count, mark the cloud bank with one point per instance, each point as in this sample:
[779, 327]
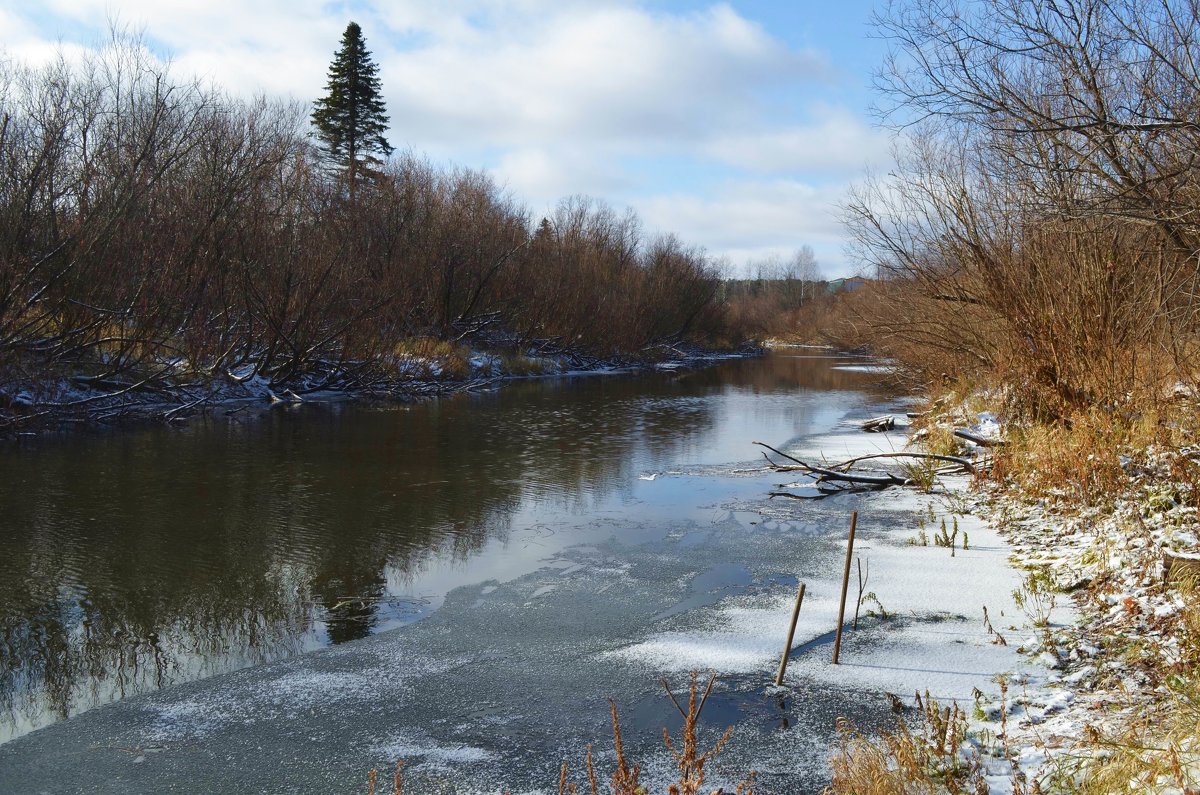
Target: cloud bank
[703, 120]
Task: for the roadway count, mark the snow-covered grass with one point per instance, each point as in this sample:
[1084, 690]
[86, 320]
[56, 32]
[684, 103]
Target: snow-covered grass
[1122, 709]
[1088, 512]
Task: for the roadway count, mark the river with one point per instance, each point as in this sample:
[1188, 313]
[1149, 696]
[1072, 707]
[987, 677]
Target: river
[536, 548]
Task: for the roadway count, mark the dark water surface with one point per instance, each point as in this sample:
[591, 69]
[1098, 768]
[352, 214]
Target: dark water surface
[134, 560]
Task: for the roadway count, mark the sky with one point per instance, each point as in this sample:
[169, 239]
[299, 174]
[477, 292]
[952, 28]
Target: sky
[738, 126]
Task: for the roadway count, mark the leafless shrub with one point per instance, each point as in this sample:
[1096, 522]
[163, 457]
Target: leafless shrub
[1042, 223]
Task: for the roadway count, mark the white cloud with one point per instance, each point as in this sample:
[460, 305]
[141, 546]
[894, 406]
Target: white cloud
[753, 219]
[606, 73]
[838, 143]
[556, 97]
[541, 176]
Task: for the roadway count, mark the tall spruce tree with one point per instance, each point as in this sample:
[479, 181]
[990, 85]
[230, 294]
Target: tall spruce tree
[350, 119]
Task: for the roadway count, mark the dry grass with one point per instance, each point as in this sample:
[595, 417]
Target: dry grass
[908, 761]
[940, 440]
[1081, 460]
[686, 749]
[1092, 456]
[397, 785]
[520, 365]
[437, 356]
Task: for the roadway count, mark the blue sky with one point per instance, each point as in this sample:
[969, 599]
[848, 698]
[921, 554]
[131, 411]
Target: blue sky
[736, 125]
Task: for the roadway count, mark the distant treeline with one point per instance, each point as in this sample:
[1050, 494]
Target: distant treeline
[149, 224]
[771, 308]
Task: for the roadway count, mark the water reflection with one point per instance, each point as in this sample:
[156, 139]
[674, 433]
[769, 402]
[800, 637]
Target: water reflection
[132, 560]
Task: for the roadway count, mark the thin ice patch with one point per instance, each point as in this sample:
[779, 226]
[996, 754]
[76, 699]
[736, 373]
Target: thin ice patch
[306, 688]
[187, 719]
[416, 747]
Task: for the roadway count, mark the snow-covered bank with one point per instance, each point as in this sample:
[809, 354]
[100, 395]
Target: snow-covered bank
[176, 393]
[1102, 696]
[1130, 629]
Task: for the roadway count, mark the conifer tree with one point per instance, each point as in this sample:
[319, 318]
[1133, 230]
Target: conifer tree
[351, 118]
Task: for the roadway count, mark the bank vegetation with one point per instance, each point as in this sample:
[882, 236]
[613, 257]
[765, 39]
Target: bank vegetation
[1038, 248]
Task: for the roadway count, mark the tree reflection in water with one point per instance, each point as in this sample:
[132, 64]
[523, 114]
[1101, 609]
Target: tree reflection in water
[134, 559]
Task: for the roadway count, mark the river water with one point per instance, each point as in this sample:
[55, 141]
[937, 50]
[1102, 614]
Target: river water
[562, 537]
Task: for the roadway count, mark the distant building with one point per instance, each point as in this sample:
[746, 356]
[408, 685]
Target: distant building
[847, 285]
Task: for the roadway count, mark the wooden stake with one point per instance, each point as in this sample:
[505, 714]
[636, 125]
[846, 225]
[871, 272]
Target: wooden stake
[862, 586]
[787, 647]
[837, 640]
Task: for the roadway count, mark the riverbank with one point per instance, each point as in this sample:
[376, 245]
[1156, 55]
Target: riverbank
[1119, 711]
[173, 394]
[1106, 697]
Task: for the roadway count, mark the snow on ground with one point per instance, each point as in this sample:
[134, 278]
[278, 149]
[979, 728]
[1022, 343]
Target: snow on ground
[1117, 553]
[922, 627]
[935, 638]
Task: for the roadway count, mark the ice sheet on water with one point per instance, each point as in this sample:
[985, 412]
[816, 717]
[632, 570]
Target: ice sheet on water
[742, 635]
[305, 688]
[882, 369]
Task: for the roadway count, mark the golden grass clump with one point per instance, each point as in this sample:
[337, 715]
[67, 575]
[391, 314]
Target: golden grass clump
[519, 365]
[908, 761]
[1086, 458]
[1082, 459]
[939, 439]
[452, 361]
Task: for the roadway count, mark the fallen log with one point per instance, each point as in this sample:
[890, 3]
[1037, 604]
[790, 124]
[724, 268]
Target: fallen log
[1180, 566]
[982, 441]
[879, 424]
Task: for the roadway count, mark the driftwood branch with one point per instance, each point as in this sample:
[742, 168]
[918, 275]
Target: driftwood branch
[879, 424]
[886, 479]
[953, 459]
[172, 414]
[837, 478]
